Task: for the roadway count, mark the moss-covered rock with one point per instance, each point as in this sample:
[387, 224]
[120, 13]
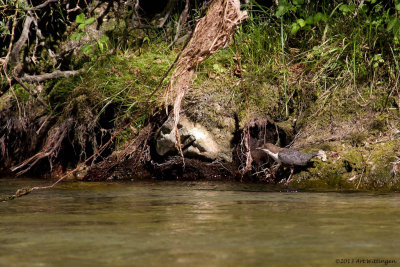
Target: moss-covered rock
[352, 167]
[196, 140]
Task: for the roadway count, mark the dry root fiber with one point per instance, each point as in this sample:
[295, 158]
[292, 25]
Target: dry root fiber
[212, 32]
[128, 162]
[50, 149]
[42, 144]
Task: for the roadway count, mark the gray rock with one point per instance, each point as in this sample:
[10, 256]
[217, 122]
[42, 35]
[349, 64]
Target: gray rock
[197, 141]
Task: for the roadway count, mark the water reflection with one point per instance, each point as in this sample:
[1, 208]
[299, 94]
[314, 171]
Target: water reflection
[193, 224]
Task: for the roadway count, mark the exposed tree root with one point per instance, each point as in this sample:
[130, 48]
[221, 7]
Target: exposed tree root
[126, 162]
[49, 150]
[212, 32]
[26, 141]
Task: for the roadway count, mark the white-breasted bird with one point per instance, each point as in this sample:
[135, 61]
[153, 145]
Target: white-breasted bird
[289, 157]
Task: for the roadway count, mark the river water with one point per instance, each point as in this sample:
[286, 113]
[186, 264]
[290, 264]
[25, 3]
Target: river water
[195, 224]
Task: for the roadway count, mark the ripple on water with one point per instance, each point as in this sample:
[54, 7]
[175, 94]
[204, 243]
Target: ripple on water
[193, 224]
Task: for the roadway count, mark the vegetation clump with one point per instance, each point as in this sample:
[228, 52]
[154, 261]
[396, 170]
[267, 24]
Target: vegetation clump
[306, 74]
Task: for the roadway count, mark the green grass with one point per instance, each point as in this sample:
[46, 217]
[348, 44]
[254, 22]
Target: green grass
[122, 82]
[335, 62]
[345, 57]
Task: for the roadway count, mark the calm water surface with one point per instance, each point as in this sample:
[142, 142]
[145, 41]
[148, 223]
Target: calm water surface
[194, 224]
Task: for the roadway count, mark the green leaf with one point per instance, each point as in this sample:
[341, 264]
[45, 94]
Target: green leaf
[101, 46]
[376, 60]
[104, 39]
[396, 28]
[347, 8]
[284, 7]
[397, 7]
[89, 21]
[218, 68]
[81, 26]
[343, 8]
[80, 18]
[310, 20]
[294, 28]
[102, 43]
[301, 22]
[87, 49]
[282, 10]
[320, 16]
[377, 57]
[146, 39]
[363, 8]
[298, 2]
[392, 23]
[76, 36]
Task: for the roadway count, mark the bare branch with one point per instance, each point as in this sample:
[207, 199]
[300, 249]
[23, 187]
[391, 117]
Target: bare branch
[7, 58]
[103, 14]
[159, 19]
[42, 5]
[31, 92]
[73, 9]
[47, 76]
[18, 45]
[182, 20]
[165, 14]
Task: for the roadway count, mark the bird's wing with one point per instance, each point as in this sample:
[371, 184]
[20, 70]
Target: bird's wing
[294, 157]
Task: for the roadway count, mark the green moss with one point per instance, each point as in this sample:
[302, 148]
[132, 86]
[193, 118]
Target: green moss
[357, 138]
[121, 80]
[331, 174]
[354, 168]
[330, 183]
[22, 94]
[380, 165]
[353, 159]
[379, 124]
[61, 91]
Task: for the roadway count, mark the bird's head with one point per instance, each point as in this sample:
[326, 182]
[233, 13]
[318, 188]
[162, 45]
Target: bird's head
[268, 147]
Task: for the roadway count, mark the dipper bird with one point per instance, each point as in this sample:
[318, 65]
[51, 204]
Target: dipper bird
[289, 157]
